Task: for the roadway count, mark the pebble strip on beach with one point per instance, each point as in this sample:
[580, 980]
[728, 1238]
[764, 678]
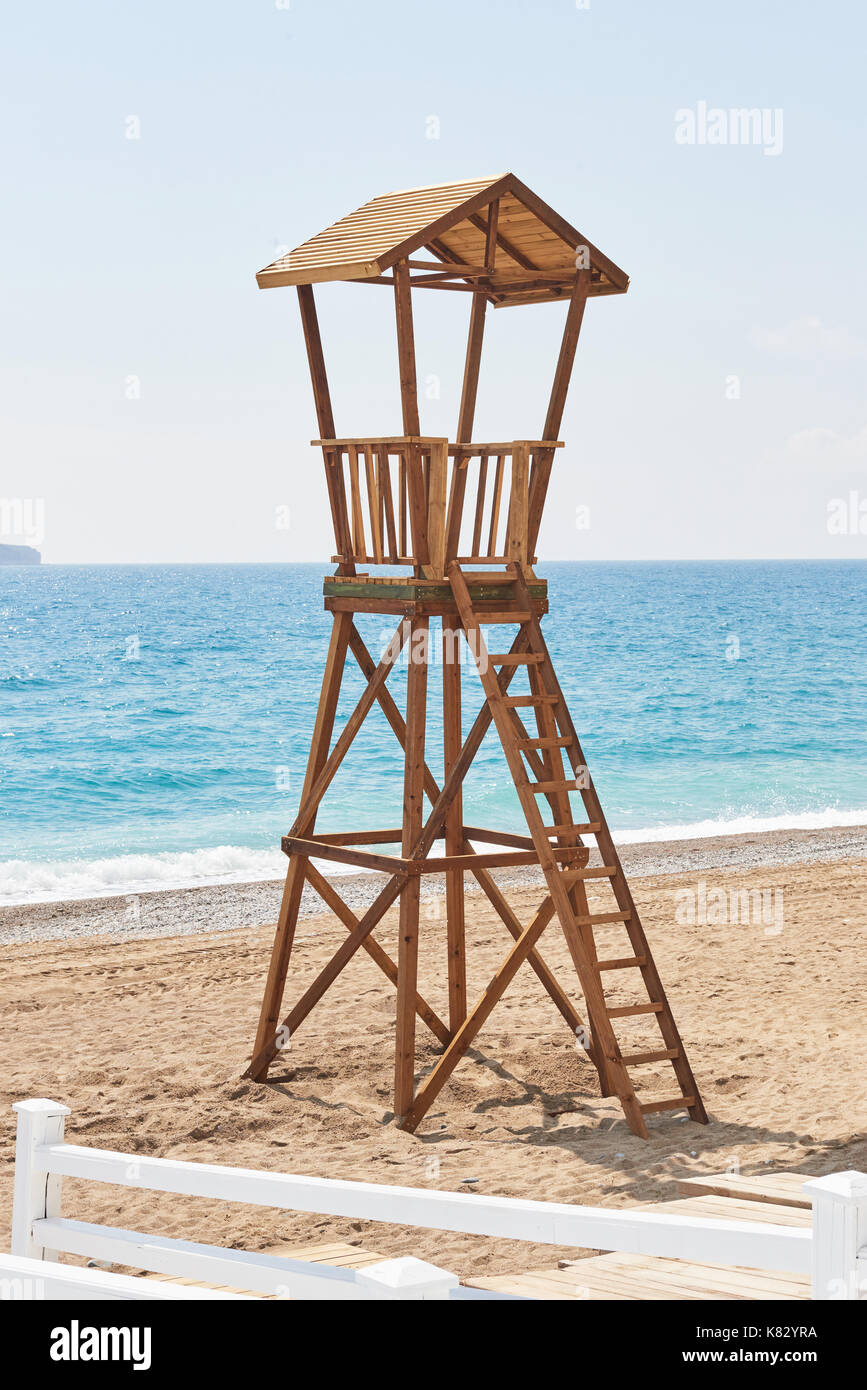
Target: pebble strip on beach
[232, 906]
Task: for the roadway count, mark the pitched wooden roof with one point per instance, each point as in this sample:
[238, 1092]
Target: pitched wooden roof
[535, 256]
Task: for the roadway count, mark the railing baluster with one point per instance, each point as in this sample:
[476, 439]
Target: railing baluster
[384, 466]
[495, 504]
[359, 545]
[516, 534]
[480, 503]
[374, 505]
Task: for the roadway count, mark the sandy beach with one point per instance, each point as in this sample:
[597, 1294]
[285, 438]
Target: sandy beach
[141, 1021]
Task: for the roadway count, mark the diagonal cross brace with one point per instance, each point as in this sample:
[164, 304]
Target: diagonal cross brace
[391, 891]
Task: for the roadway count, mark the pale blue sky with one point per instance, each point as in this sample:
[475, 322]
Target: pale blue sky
[261, 124]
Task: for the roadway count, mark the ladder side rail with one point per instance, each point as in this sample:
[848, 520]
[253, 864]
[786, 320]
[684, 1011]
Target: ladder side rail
[619, 883]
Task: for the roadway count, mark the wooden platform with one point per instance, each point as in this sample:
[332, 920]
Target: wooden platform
[362, 593]
[648, 1277]
[778, 1188]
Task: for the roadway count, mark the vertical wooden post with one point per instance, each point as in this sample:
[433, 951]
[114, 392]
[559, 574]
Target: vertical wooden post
[516, 532]
[294, 885]
[406, 349]
[36, 1194]
[413, 807]
[556, 404]
[454, 828]
[436, 508]
[476, 335]
[325, 421]
[316, 361]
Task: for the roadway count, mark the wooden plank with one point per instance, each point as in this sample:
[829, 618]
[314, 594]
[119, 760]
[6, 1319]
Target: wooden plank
[374, 503]
[556, 404]
[454, 833]
[496, 502]
[516, 536]
[417, 499]
[359, 543]
[406, 349]
[436, 509]
[784, 1188]
[324, 418]
[735, 1209]
[413, 806]
[385, 492]
[653, 1107]
[342, 854]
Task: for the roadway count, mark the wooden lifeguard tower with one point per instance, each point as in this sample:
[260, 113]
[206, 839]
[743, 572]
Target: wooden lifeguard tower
[462, 519]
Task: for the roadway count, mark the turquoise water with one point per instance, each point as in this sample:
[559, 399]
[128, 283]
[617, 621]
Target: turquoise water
[154, 720]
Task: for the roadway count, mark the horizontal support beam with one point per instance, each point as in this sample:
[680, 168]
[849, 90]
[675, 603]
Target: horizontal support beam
[437, 864]
[391, 836]
[319, 849]
[509, 859]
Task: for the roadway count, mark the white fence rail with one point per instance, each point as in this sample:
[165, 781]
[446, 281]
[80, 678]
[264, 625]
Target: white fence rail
[22, 1279]
[832, 1250]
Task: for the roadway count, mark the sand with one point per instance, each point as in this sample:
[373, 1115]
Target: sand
[145, 1036]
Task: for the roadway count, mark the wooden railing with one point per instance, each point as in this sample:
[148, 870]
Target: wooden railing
[425, 502]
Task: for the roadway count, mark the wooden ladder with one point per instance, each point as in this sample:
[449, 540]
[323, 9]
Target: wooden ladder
[541, 754]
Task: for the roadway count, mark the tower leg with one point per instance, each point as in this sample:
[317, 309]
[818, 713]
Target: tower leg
[294, 886]
[454, 829]
[413, 807]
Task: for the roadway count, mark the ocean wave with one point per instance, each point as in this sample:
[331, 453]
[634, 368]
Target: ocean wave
[34, 881]
[828, 819]
[31, 881]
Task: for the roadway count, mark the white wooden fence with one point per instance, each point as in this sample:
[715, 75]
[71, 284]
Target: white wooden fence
[835, 1250]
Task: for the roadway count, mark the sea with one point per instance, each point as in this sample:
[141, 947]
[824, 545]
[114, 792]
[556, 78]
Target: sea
[155, 719]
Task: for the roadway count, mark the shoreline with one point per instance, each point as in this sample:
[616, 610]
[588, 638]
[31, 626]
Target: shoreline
[209, 909]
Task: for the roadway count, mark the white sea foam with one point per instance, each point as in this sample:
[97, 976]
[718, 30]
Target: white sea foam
[829, 819]
[34, 881]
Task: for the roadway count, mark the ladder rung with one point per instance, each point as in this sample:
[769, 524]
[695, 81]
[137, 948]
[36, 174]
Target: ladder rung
[624, 963]
[598, 918]
[635, 1059]
[627, 1010]
[522, 701]
[516, 658]
[554, 786]
[603, 871]
[590, 828]
[544, 742]
[676, 1103]
[503, 616]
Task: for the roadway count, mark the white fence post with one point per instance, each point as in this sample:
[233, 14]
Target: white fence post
[407, 1278]
[839, 1235]
[36, 1193]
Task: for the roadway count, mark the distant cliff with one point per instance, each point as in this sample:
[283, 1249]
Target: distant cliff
[19, 555]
